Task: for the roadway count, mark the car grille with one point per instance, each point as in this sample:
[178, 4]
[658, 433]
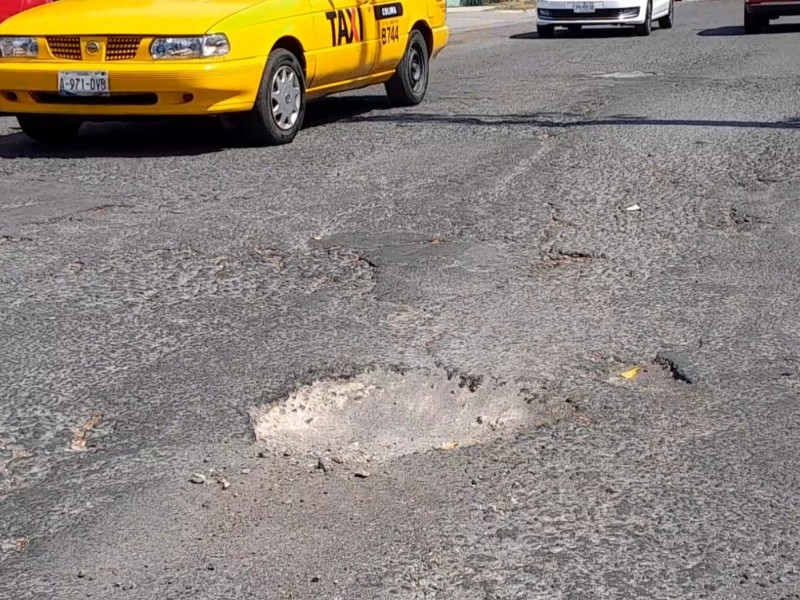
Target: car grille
[601, 13]
[118, 99]
[122, 48]
[66, 48]
[117, 48]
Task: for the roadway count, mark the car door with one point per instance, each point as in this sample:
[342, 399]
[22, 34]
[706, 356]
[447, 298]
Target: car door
[391, 28]
[342, 53]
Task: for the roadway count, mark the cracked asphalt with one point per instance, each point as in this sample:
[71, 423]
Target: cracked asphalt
[557, 212]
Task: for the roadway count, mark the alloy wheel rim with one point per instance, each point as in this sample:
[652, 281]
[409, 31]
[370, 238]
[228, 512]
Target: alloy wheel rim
[416, 69]
[285, 98]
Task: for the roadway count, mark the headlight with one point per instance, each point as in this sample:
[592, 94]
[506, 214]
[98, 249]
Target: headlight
[18, 47]
[190, 47]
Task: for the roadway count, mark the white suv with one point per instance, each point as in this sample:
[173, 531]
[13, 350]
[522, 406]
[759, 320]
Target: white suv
[573, 14]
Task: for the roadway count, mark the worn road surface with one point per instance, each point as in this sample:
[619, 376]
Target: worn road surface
[390, 353]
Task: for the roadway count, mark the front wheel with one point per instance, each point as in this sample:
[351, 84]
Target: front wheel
[545, 31]
[667, 21]
[646, 27]
[52, 130]
[280, 106]
[753, 23]
[409, 83]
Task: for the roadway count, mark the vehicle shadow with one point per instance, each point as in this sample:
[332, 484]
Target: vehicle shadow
[732, 30]
[333, 109]
[566, 121]
[170, 138]
[592, 32]
[136, 139]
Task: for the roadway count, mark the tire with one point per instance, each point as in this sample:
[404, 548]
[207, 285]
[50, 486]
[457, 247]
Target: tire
[646, 27]
[280, 106]
[753, 23]
[545, 31]
[51, 130]
[408, 85]
[667, 21]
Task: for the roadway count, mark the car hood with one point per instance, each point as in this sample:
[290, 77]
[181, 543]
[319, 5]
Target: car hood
[121, 17]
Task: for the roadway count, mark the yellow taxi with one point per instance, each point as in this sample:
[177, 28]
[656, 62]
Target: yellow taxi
[257, 61]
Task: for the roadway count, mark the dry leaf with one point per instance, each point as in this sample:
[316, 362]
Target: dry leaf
[631, 373]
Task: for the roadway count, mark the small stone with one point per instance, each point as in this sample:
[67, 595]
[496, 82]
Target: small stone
[81, 574]
[315, 580]
[338, 460]
[287, 452]
[322, 465]
[245, 471]
[207, 459]
[263, 454]
[8, 546]
[361, 474]
[197, 478]
[225, 483]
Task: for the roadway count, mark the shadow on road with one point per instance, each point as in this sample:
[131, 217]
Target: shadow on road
[177, 137]
[592, 32]
[340, 108]
[732, 30]
[142, 139]
[561, 121]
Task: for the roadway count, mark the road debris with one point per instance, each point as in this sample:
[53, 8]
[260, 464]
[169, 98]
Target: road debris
[197, 478]
[361, 474]
[634, 208]
[14, 545]
[80, 439]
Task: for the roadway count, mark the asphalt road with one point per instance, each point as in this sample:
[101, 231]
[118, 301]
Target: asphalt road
[463, 283]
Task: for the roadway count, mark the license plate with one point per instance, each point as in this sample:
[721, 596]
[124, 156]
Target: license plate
[83, 83]
[583, 7]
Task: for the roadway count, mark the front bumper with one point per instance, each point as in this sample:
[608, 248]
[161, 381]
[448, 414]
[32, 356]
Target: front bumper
[136, 88]
[773, 9]
[606, 12]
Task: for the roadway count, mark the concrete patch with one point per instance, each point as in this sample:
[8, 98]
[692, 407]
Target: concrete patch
[381, 415]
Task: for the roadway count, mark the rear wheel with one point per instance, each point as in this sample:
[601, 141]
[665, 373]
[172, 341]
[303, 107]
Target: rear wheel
[545, 31]
[409, 83]
[277, 115]
[646, 27]
[668, 20]
[753, 23]
[52, 130]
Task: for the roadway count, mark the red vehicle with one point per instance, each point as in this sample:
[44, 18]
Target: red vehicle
[8, 8]
[758, 13]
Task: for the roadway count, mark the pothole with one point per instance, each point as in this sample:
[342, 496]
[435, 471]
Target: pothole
[381, 415]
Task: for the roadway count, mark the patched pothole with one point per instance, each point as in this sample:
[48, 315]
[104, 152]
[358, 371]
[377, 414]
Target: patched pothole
[380, 415]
